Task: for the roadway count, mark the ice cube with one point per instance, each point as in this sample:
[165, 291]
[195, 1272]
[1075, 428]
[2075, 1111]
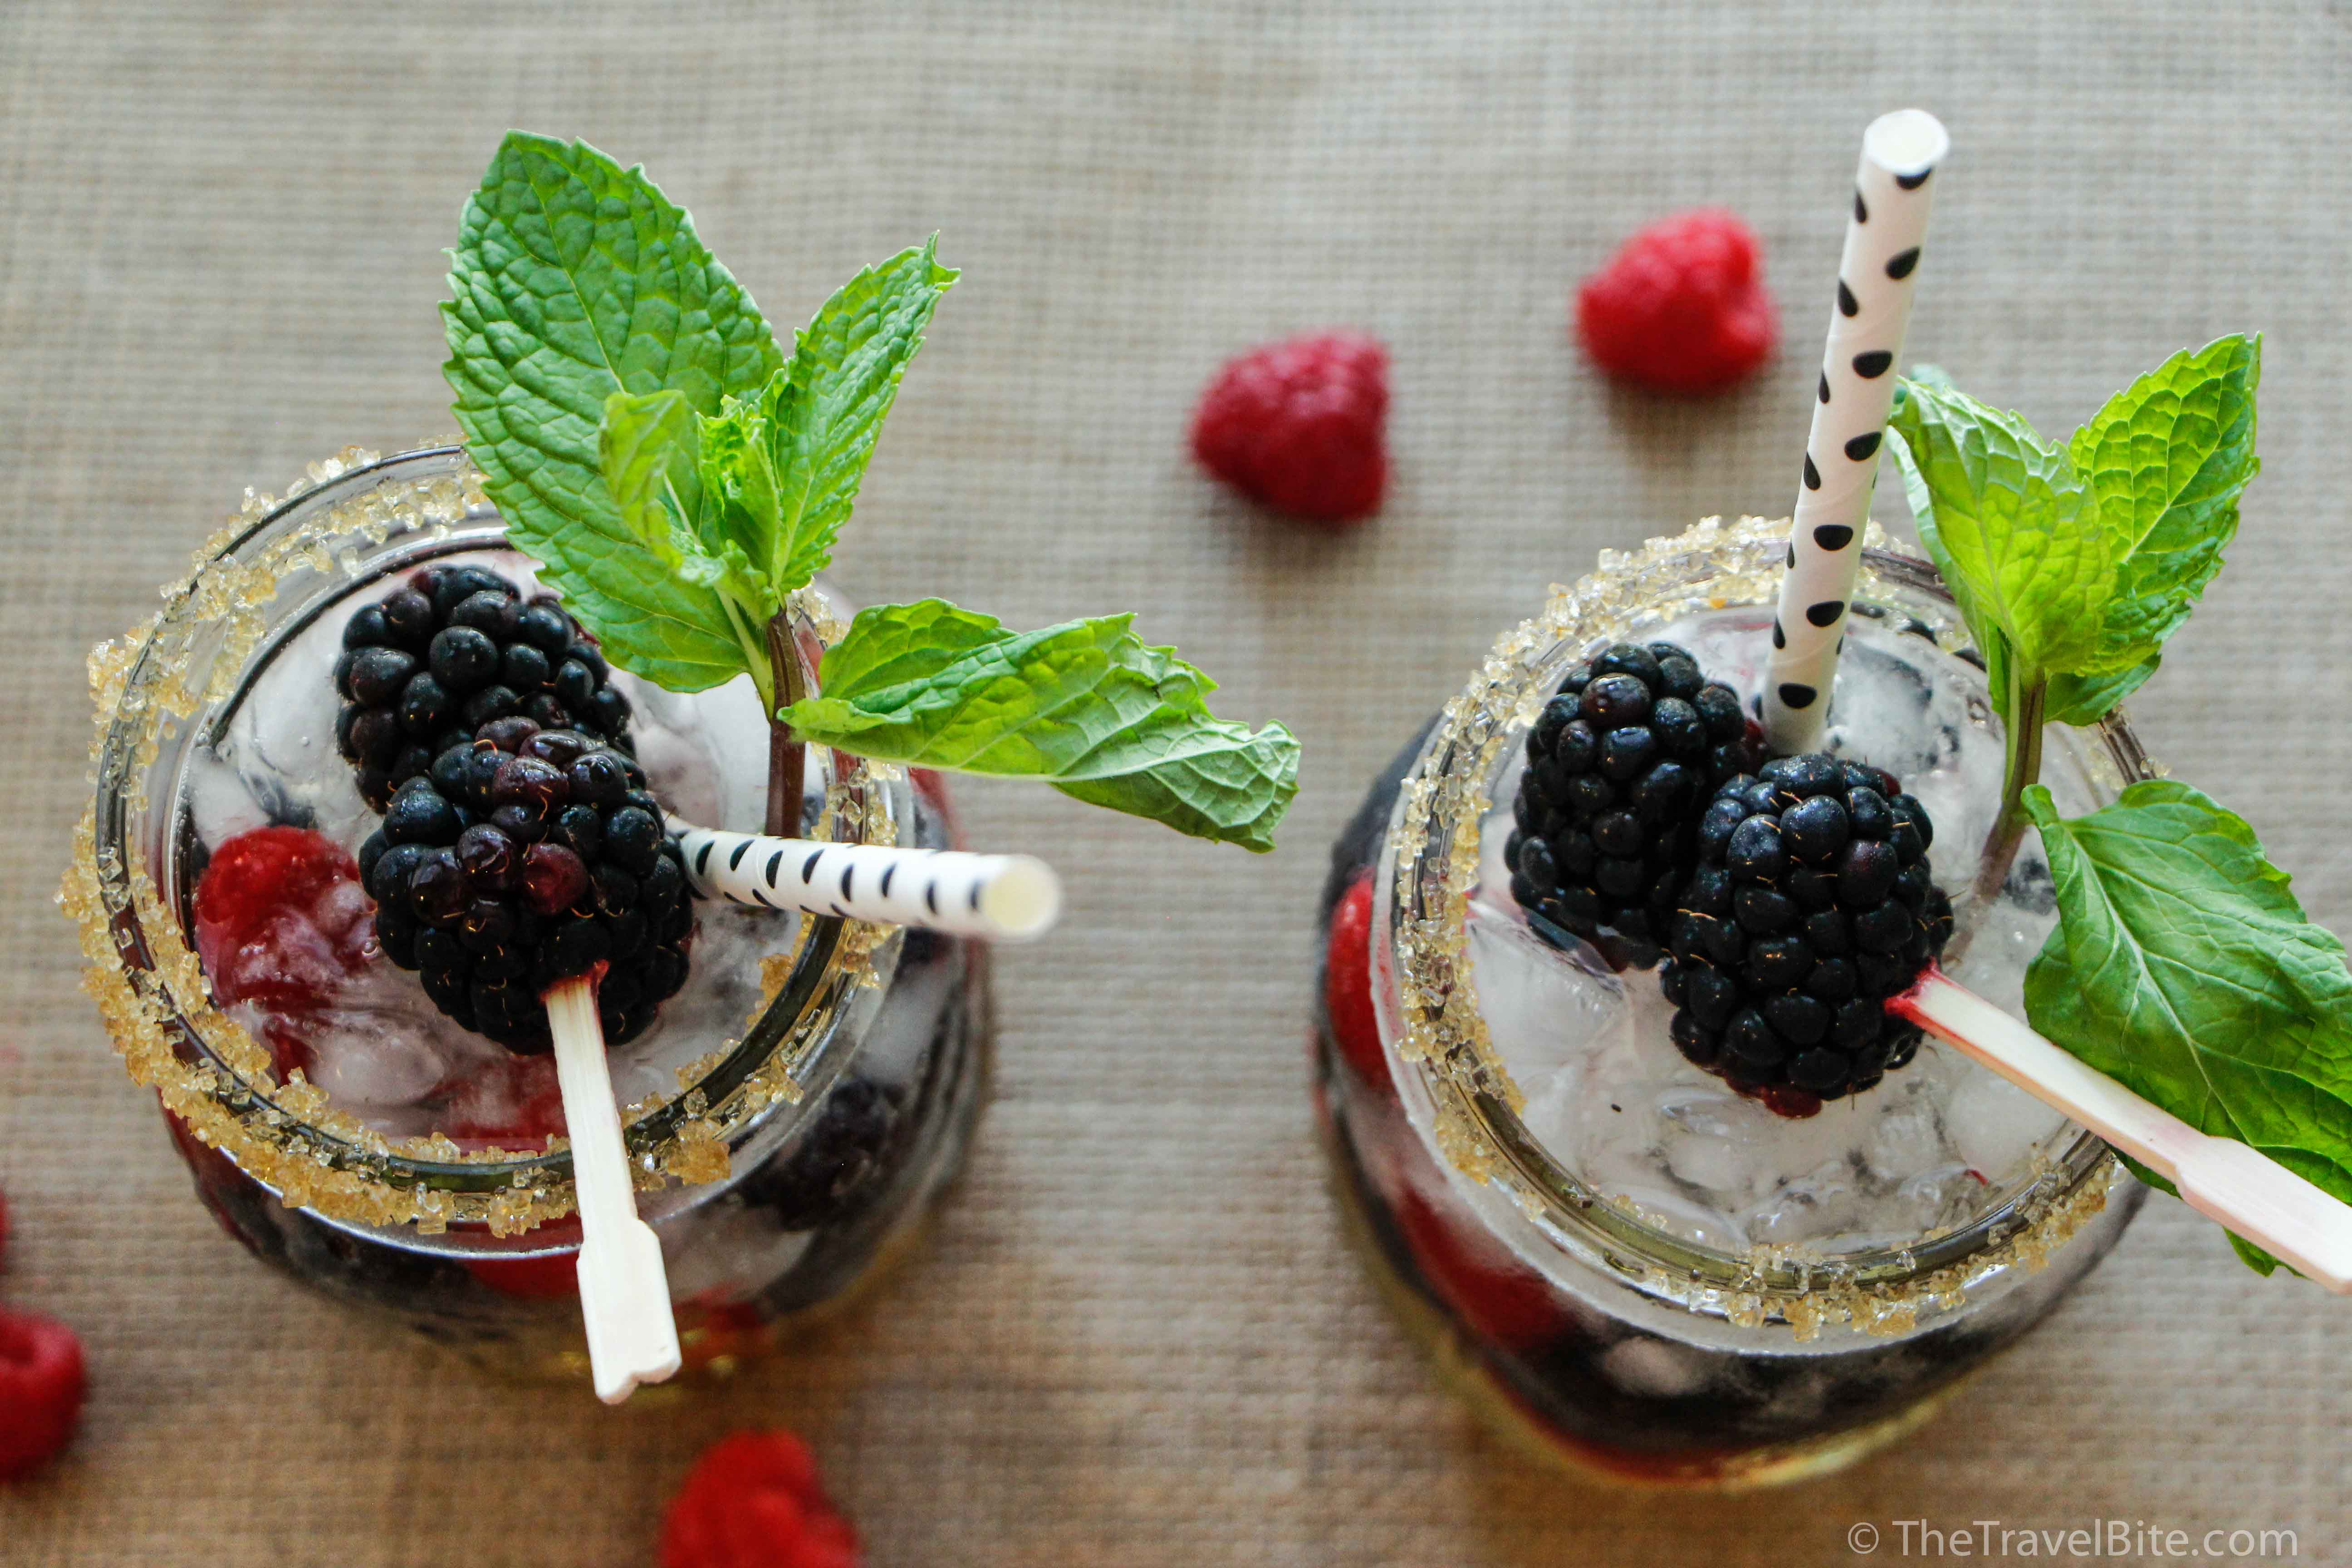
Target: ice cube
[1940, 1199]
[399, 1067]
[1994, 1125]
[1543, 1008]
[1709, 1144]
[1653, 1369]
[219, 805]
[1817, 1203]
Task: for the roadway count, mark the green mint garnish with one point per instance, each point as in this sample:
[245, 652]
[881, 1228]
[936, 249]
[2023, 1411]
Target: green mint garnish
[2166, 459]
[743, 506]
[2010, 524]
[2077, 563]
[2184, 968]
[573, 280]
[1086, 706]
[678, 479]
[2181, 966]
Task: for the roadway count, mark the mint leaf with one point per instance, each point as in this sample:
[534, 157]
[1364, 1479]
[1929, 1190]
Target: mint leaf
[1086, 706]
[2007, 521]
[819, 423]
[2087, 699]
[573, 280]
[2184, 968]
[2166, 460]
[651, 452]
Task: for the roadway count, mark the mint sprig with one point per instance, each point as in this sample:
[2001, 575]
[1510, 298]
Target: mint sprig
[2181, 966]
[573, 280]
[1086, 706]
[743, 506]
[2184, 968]
[2071, 565]
[678, 479]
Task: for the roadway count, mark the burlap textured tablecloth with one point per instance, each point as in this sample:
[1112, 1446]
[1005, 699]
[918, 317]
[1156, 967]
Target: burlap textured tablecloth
[1135, 1337]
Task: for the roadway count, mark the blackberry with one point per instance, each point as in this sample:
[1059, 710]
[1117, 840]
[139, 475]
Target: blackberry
[451, 649]
[845, 1152]
[1810, 906]
[521, 857]
[1620, 764]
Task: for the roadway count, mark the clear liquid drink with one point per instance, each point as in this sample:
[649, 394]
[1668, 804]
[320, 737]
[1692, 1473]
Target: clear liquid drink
[791, 1111]
[1614, 1254]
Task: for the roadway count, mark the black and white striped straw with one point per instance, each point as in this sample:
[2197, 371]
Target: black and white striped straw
[1876, 273]
[1009, 898]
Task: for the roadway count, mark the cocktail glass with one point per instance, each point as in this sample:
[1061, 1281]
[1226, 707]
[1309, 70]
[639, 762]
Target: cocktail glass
[790, 1117]
[1615, 1256]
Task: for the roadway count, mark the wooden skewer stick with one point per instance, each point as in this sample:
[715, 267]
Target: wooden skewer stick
[623, 1289]
[2220, 1178]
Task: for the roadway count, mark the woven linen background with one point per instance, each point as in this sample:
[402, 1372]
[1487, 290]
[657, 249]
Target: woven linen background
[1134, 1336]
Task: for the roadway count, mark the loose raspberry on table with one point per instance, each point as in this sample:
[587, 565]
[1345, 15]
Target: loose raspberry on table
[1682, 307]
[42, 1382]
[1348, 986]
[1300, 426]
[753, 1501]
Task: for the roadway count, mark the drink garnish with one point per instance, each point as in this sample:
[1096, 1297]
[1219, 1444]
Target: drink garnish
[2182, 967]
[680, 479]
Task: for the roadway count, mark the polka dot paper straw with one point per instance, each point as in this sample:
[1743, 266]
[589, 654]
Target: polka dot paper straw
[1011, 898]
[1876, 276]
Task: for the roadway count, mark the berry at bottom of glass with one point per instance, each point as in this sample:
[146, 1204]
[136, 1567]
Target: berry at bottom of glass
[802, 1096]
[1620, 1259]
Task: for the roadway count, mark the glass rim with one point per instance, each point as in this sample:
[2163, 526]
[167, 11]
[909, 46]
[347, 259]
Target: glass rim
[209, 1070]
[1428, 1003]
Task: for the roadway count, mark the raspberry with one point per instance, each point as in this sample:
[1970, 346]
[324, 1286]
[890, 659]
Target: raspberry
[1682, 307]
[1297, 425]
[1619, 765]
[552, 1277]
[1811, 906]
[259, 874]
[1348, 986]
[522, 857]
[517, 1105]
[1497, 1295]
[41, 1386]
[450, 650]
[845, 1152]
[753, 1501]
[281, 922]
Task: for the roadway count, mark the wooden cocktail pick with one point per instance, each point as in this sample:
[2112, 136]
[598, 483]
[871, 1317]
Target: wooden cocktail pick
[2220, 1178]
[624, 1287]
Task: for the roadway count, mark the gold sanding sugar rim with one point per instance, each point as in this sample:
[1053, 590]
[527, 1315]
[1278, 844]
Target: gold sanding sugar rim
[1443, 1032]
[206, 1068]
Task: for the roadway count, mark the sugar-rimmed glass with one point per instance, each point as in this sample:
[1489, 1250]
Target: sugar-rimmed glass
[768, 1169]
[1626, 1332]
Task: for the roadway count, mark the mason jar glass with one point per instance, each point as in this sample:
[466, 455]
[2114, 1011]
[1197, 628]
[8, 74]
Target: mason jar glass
[1619, 1260]
[817, 1088]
